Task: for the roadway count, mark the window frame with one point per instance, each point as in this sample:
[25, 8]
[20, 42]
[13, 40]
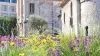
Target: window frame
[64, 18]
[4, 7]
[71, 14]
[31, 8]
[13, 8]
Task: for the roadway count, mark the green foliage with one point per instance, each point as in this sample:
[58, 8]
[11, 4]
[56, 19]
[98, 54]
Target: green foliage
[7, 26]
[41, 45]
[37, 23]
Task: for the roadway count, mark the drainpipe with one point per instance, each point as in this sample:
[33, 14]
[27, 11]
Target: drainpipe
[52, 19]
[39, 7]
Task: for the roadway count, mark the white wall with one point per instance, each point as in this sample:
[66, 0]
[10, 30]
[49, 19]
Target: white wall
[66, 29]
[88, 16]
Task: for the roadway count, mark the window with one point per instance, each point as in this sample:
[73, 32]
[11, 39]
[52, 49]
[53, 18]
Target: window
[4, 7]
[13, 1]
[71, 9]
[64, 18]
[4, 14]
[13, 9]
[12, 15]
[2, 0]
[86, 29]
[71, 22]
[31, 5]
[5, 0]
[71, 14]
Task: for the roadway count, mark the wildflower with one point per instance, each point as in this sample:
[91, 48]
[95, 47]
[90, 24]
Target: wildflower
[76, 41]
[22, 54]
[33, 49]
[25, 40]
[71, 45]
[48, 38]
[56, 39]
[37, 43]
[21, 39]
[2, 42]
[30, 33]
[50, 50]
[86, 43]
[76, 48]
[43, 41]
[12, 43]
[54, 44]
[42, 35]
[0, 36]
[58, 52]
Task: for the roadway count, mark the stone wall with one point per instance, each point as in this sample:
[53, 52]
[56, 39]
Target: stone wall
[48, 10]
[90, 16]
[66, 29]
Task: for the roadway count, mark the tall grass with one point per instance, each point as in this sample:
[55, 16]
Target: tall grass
[41, 45]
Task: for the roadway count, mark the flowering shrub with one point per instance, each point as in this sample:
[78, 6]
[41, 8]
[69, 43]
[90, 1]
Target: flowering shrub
[41, 45]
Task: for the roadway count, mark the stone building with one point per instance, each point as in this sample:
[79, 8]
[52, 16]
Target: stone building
[7, 8]
[48, 10]
[81, 17]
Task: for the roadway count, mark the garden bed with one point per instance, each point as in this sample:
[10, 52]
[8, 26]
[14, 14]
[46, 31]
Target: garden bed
[41, 45]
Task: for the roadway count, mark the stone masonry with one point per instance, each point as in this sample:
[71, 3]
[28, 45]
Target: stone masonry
[47, 10]
[85, 14]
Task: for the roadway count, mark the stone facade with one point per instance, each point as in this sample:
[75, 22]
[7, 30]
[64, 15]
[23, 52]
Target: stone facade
[47, 10]
[85, 14]
[7, 9]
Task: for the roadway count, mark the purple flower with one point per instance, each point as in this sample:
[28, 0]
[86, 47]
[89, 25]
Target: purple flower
[71, 45]
[77, 41]
[86, 43]
[49, 52]
[57, 52]
[0, 36]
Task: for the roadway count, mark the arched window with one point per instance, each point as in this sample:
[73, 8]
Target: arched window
[86, 30]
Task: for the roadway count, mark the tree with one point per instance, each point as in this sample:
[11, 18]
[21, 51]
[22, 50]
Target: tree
[38, 23]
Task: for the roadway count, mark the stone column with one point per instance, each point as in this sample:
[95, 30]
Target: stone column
[24, 19]
[19, 17]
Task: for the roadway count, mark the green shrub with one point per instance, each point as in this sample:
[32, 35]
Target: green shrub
[37, 23]
[8, 26]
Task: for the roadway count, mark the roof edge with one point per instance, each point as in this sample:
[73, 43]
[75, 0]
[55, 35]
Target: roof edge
[64, 3]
